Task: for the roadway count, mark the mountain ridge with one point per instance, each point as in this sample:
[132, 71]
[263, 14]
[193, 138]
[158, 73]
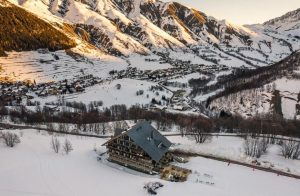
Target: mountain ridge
[292, 16]
[125, 27]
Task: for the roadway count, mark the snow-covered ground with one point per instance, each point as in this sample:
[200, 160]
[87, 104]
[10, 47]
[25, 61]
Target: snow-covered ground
[269, 45]
[185, 79]
[32, 168]
[110, 95]
[232, 148]
[290, 85]
[140, 62]
[55, 66]
[253, 101]
[289, 91]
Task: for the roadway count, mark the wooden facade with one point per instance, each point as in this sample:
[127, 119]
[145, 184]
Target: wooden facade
[124, 150]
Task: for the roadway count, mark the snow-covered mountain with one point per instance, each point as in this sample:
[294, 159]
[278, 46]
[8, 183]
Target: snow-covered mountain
[285, 20]
[288, 24]
[274, 89]
[165, 43]
[281, 93]
[125, 27]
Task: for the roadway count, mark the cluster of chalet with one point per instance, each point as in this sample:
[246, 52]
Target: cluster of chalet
[14, 93]
[165, 58]
[156, 75]
[141, 148]
[66, 86]
[179, 68]
[180, 102]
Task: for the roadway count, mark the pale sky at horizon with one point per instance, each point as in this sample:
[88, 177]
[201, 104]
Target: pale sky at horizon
[243, 11]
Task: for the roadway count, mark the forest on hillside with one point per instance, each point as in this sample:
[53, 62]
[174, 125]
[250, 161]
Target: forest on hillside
[243, 79]
[21, 30]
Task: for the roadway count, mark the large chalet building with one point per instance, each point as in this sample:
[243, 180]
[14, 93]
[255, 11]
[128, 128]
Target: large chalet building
[141, 148]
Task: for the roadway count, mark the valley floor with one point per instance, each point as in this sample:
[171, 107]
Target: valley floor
[32, 168]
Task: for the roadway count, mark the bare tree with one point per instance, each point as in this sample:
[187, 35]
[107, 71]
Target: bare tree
[104, 128]
[116, 125]
[200, 136]
[297, 151]
[124, 125]
[67, 146]
[10, 139]
[84, 127]
[264, 144]
[290, 149]
[97, 128]
[201, 130]
[255, 147]
[250, 147]
[55, 144]
[90, 127]
[182, 130]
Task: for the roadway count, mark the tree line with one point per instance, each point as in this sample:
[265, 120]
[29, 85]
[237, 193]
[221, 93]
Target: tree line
[272, 124]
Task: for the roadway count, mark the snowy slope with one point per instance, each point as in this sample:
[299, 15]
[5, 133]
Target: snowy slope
[168, 41]
[277, 92]
[232, 148]
[79, 173]
[256, 101]
[110, 95]
[45, 67]
[142, 26]
[286, 22]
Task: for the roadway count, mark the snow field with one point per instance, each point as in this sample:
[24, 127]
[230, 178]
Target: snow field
[110, 95]
[32, 168]
[232, 148]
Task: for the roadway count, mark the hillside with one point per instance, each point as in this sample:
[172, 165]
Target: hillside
[126, 27]
[195, 57]
[277, 90]
[273, 88]
[23, 31]
[293, 16]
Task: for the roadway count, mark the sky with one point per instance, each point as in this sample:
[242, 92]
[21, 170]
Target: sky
[243, 11]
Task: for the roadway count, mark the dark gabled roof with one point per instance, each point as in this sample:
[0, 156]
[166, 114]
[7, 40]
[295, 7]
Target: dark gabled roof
[149, 139]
